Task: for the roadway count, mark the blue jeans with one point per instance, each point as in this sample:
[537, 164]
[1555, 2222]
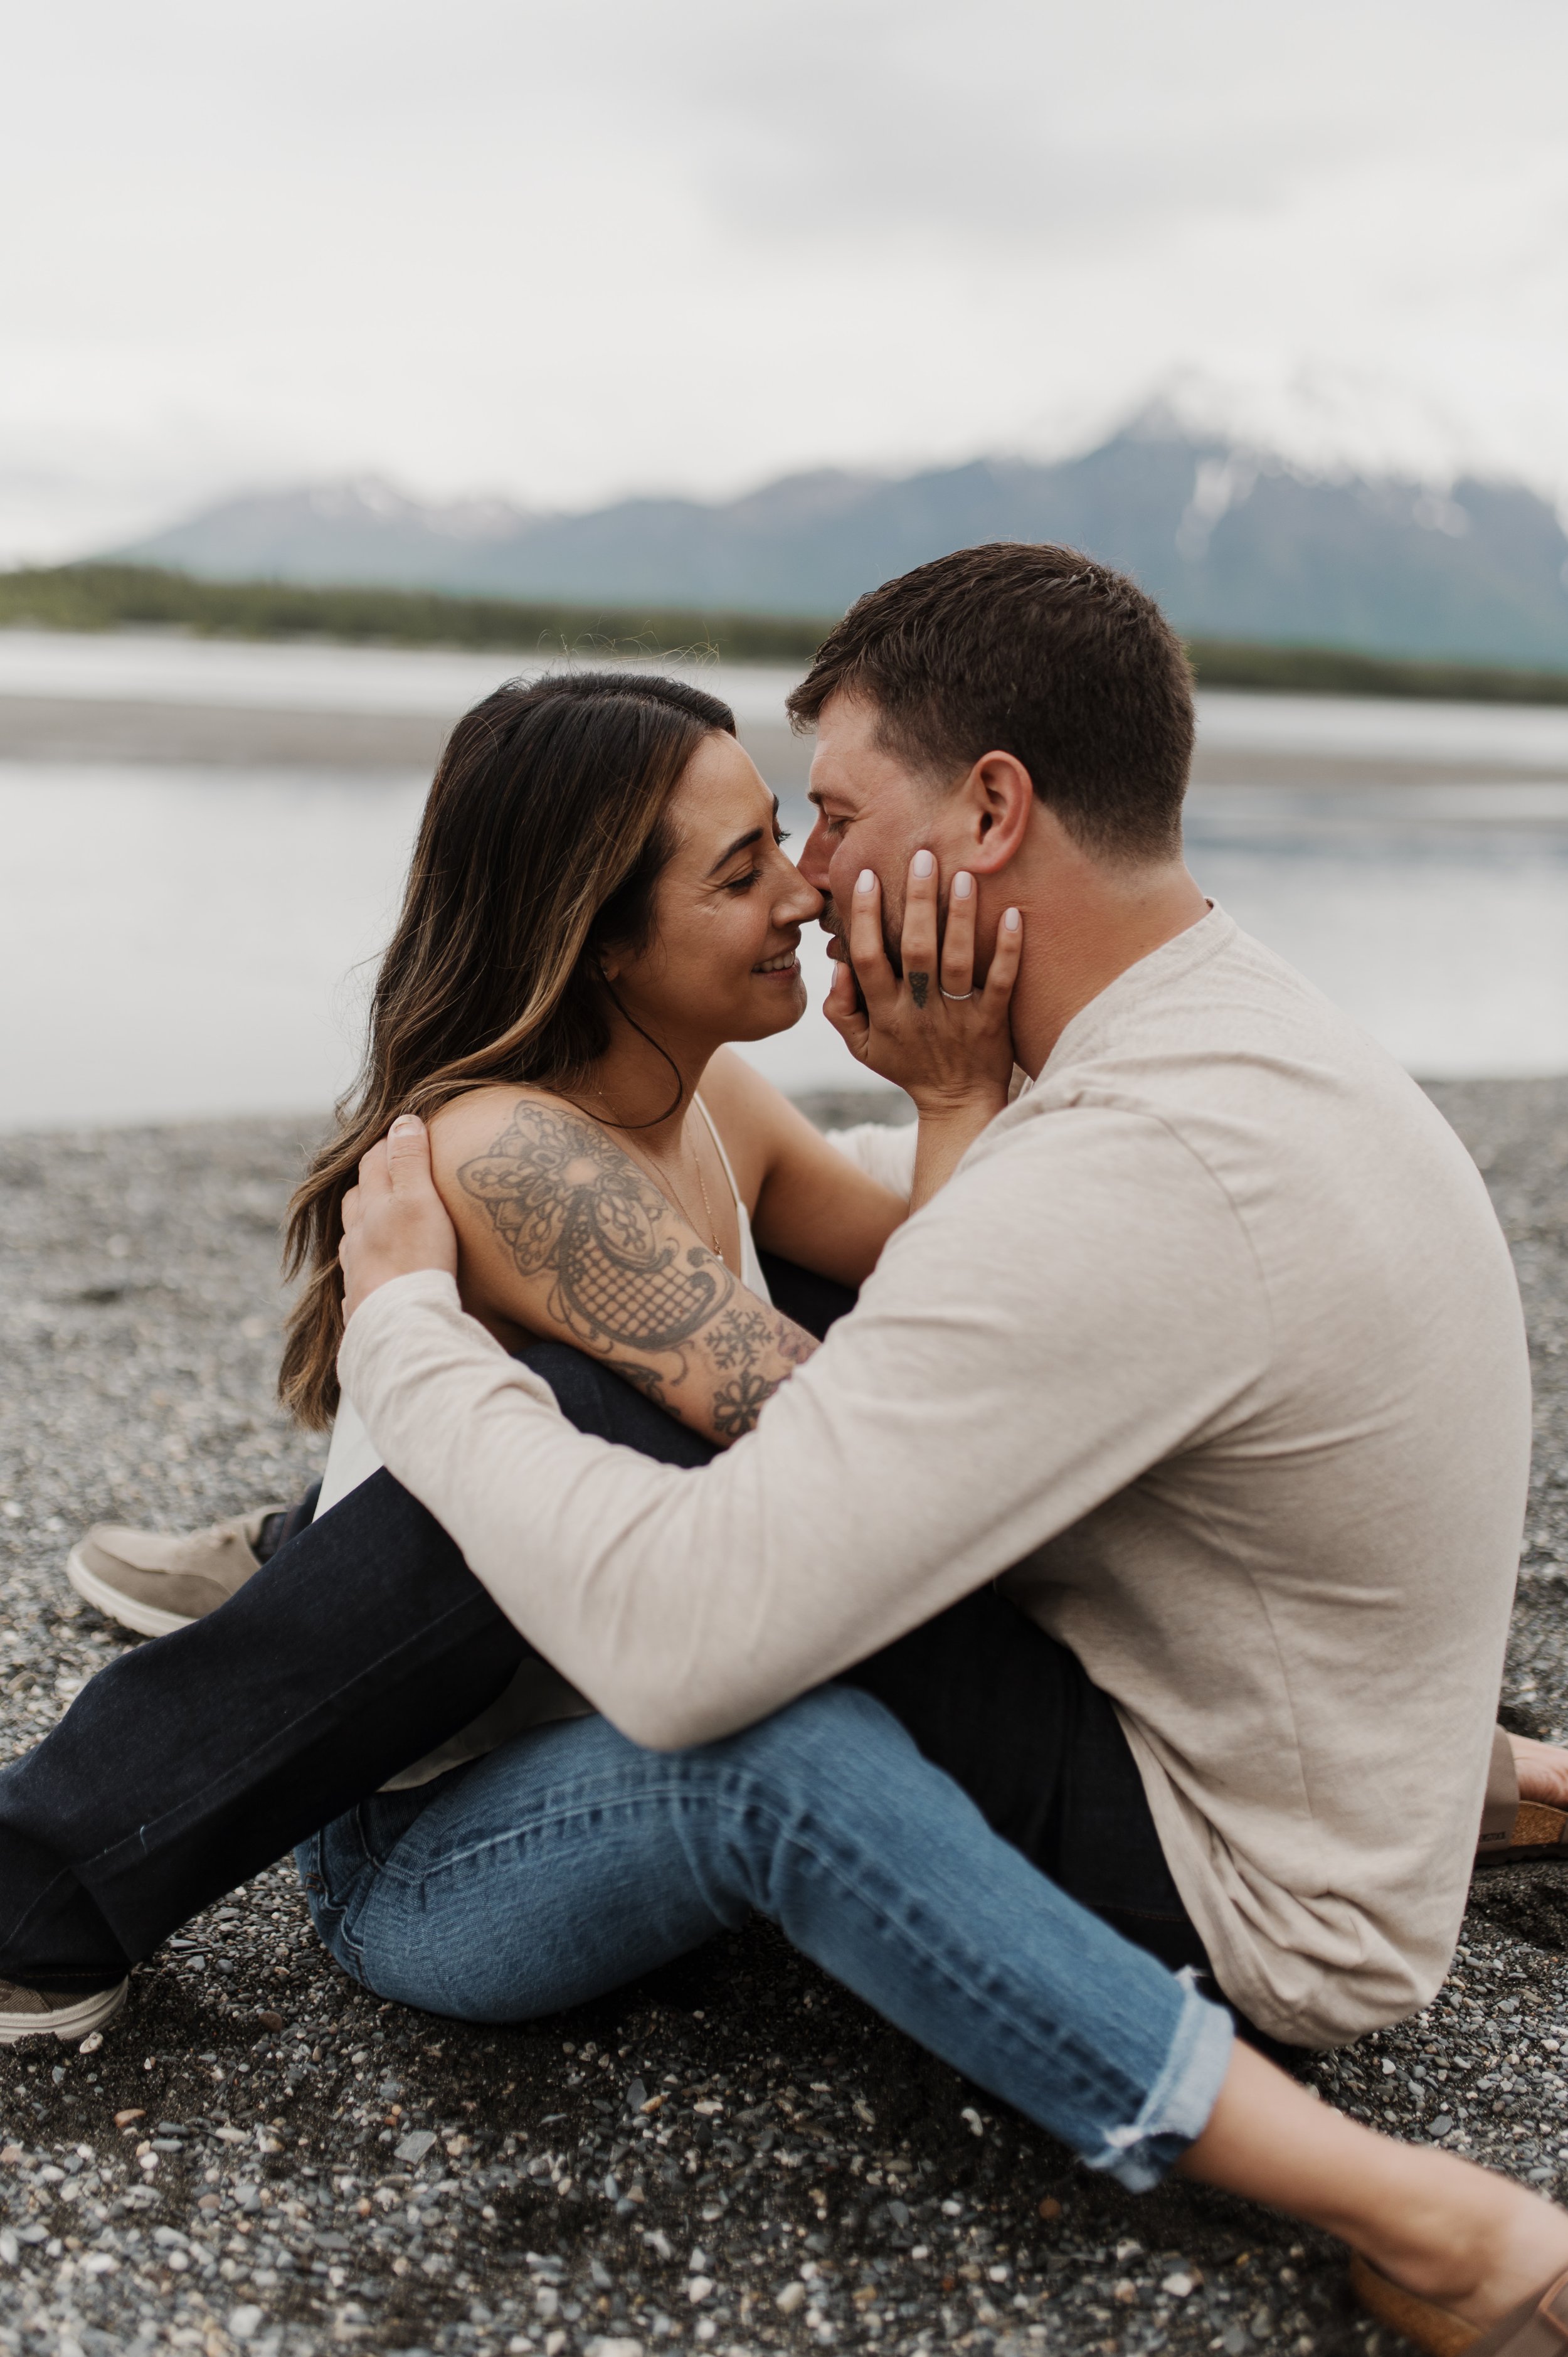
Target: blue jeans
[569, 1861]
[365, 1642]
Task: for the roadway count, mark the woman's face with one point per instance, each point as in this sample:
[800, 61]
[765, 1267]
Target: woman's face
[728, 910]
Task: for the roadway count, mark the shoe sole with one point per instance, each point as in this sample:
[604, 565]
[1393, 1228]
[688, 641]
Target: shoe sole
[147, 1619]
[68, 2022]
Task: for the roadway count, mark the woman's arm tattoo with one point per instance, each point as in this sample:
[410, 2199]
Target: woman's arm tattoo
[738, 1405]
[567, 1203]
[570, 1205]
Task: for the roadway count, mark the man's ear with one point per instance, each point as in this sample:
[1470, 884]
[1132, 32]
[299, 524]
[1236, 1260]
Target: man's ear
[997, 799]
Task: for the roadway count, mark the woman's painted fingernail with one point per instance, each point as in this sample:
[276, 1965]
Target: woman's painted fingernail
[922, 865]
[866, 880]
[962, 885]
[1012, 919]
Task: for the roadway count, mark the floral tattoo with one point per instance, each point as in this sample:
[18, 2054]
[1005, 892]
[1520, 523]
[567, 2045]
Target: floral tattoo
[625, 1281]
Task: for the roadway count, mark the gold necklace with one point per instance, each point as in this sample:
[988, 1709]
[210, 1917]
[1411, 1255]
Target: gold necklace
[669, 1191]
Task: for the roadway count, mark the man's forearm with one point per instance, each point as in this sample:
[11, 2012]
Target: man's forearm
[954, 1422]
[681, 1610]
[946, 1130]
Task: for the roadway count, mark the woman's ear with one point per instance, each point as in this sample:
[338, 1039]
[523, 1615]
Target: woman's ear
[999, 794]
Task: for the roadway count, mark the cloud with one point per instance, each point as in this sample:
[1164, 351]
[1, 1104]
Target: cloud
[562, 253]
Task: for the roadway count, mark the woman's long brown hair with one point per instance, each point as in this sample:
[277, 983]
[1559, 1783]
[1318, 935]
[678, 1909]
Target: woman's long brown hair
[541, 841]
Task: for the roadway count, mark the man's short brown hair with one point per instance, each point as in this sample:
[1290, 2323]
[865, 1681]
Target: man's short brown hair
[1027, 649]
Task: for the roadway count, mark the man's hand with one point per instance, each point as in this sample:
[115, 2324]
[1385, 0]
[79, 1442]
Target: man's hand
[393, 1220]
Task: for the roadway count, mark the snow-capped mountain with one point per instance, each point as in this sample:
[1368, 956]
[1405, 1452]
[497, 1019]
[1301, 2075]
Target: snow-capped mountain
[1289, 524]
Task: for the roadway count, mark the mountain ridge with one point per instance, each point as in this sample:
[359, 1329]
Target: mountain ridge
[1234, 541]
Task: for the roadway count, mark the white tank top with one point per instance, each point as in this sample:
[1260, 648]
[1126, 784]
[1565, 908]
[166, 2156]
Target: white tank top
[351, 1456]
[750, 1271]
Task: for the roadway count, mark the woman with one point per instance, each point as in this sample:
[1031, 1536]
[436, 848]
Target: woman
[528, 952]
[598, 901]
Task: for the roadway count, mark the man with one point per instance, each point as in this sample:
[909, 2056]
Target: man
[1212, 1337]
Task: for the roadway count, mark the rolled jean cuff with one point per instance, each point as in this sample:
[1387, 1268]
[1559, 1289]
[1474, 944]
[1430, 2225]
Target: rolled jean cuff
[1178, 2107]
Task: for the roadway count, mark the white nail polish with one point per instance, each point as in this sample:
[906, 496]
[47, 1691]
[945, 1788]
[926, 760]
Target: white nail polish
[922, 864]
[1011, 921]
[866, 881]
[962, 885]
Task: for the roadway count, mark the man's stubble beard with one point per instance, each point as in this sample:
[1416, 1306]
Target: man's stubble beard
[832, 925]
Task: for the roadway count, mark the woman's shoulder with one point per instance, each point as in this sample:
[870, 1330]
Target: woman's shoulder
[738, 1096]
[494, 1120]
[750, 1114]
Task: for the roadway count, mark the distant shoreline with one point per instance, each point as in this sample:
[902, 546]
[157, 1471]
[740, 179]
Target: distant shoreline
[115, 596]
[115, 730]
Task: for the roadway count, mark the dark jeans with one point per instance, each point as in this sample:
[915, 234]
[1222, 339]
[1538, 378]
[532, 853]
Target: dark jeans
[188, 1765]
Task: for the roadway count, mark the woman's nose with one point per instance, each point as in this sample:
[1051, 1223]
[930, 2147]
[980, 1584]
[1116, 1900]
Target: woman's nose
[801, 905]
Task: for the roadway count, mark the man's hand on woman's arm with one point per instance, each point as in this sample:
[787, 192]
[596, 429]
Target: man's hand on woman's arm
[557, 1232]
[395, 1222]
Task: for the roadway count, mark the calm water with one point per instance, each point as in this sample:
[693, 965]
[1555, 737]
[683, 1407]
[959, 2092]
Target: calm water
[181, 942]
[190, 942]
[153, 668]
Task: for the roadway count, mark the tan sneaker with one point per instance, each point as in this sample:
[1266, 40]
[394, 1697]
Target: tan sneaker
[33, 2013]
[156, 1581]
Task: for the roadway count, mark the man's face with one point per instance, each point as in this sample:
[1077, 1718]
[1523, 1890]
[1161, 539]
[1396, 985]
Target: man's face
[872, 811]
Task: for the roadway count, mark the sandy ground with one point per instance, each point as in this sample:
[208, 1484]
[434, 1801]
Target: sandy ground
[262, 2155]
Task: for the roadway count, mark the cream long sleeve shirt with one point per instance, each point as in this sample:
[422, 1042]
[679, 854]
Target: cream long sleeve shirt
[1212, 1347]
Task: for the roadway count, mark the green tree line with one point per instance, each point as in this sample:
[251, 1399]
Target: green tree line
[121, 597]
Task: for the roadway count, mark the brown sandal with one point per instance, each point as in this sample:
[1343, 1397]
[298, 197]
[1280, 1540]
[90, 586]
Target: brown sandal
[1515, 1831]
[1538, 2327]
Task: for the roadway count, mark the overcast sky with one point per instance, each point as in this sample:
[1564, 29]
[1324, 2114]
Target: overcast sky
[563, 251]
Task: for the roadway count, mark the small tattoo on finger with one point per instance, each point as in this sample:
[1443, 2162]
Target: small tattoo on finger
[919, 988]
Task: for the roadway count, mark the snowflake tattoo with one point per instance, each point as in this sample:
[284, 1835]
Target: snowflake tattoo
[737, 1338]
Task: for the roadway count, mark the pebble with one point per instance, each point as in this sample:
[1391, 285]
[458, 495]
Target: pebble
[326, 2170]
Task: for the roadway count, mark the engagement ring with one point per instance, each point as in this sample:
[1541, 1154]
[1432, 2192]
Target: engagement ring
[955, 993]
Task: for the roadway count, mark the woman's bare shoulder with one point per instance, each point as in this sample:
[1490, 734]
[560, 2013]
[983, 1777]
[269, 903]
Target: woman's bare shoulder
[753, 1118]
[492, 1121]
[728, 1080]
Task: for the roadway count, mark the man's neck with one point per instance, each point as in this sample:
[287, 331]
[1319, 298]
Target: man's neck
[1083, 929]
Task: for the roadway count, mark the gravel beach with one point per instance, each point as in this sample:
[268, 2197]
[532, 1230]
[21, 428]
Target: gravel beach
[257, 2155]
